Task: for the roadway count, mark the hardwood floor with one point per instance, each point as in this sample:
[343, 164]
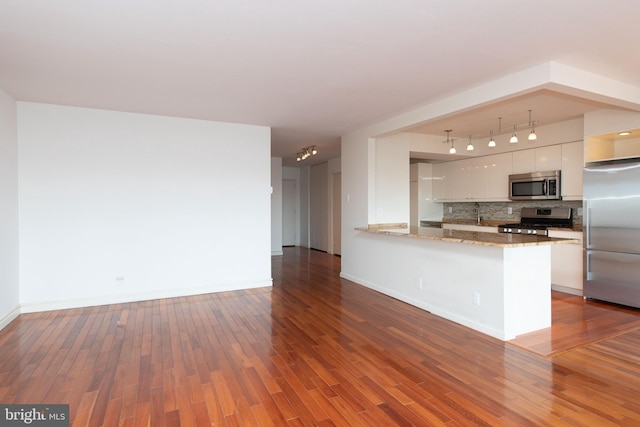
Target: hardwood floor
[315, 350]
[576, 322]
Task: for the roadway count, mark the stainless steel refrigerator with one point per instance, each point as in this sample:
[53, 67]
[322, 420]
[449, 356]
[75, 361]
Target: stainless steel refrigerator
[611, 221]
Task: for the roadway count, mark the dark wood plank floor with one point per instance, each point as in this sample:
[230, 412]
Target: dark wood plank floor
[313, 350]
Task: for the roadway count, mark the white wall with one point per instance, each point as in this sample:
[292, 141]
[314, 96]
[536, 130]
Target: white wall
[276, 206]
[357, 157]
[120, 206]
[333, 167]
[609, 121]
[9, 285]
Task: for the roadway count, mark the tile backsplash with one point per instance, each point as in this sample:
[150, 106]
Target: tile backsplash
[498, 211]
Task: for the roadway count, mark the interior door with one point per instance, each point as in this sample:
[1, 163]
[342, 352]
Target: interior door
[289, 212]
[319, 207]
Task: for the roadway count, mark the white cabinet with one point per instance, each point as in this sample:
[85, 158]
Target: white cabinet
[414, 194]
[566, 263]
[572, 164]
[548, 158]
[421, 190]
[478, 179]
[498, 167]
[540, 159]
[524, 161]
[450, 180]
[461, 177]
[438, 177]
[486, 178]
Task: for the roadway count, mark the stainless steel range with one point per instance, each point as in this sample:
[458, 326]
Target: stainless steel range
[537, 221]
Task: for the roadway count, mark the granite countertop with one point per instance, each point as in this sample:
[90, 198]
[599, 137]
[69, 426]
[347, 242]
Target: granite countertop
[461, 236]
[495, 223]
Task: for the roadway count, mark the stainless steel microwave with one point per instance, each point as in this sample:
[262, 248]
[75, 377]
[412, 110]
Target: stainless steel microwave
[535, 186]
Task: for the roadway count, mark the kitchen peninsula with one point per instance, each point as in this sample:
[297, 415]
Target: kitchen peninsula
[498, 284]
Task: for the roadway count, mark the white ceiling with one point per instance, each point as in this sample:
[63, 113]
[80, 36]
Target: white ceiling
[311, 70]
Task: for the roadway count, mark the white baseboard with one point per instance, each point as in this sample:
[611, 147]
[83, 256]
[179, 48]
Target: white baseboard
[144, 296]
[9, 317]
[277, 253]
[454, 317]
[566, 290]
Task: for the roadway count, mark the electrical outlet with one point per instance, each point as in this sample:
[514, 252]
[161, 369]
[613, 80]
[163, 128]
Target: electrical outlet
[379, 212]
[510, 210]
[476, 298]
[419, 283]
[450, 209]
[579, 211]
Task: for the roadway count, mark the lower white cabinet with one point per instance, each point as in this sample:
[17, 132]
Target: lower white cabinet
[566, 263]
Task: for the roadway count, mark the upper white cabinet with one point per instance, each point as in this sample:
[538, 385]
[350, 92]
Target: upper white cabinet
[438, 178]
[480, 178]
[498, 168]
[548, 158]
[572, 164]
[540, 159]
[486, 178]
[524, 161]
[421, 188]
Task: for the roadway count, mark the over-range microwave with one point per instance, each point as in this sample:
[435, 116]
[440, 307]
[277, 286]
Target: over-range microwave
[535, 186]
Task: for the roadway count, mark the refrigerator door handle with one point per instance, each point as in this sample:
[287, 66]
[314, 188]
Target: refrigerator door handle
[587, 225]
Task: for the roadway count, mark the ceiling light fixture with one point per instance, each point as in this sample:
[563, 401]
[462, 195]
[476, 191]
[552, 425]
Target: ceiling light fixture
[514, 137]
[625, 133]
[306, 153]
[452, 150]
[492, 140]
[532, 135]
[470, 145]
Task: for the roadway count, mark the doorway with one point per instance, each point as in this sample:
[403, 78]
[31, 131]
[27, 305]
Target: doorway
[289, 212]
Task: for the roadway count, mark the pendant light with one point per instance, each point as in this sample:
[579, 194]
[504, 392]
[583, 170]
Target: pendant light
[514, 137]
[492, 141]
[532, 134]
[452, 150]
[470, 145]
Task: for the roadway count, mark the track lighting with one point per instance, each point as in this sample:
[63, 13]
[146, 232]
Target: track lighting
[532, 134]
[306, 153]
